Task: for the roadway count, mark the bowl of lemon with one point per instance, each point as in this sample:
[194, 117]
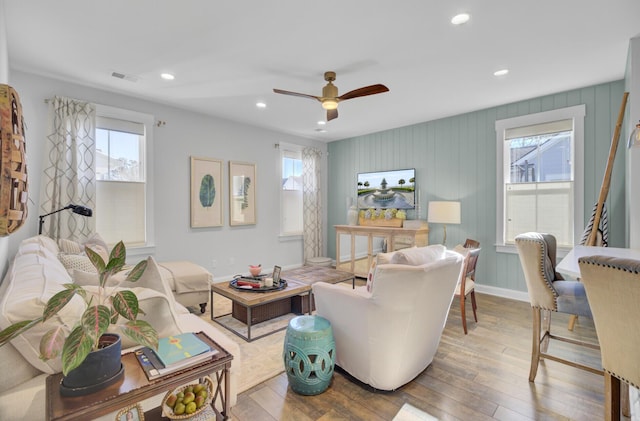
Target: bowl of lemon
[188, 401]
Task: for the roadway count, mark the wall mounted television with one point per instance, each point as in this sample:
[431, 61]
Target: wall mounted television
[394, 189]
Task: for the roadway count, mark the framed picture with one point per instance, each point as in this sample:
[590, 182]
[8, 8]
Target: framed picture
[206, 194]
[242, 193]
[276, 275]
[131, 413]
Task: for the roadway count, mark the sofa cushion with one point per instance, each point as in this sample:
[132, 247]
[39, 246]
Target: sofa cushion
[38, 244]
[416, 256]
[29, 283]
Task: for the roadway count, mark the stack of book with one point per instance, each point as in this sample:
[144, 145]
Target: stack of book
[174, 353]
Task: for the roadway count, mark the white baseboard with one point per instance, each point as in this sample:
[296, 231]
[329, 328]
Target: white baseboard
[503, 292]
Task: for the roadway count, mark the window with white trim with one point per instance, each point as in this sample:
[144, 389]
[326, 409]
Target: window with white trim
[122, 176]
[540, 175]
[290, 190]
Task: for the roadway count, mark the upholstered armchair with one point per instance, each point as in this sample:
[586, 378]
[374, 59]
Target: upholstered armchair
[613, 289]
[387, 332]
[549, 292]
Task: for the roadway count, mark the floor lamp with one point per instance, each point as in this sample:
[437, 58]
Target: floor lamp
[80, 210]
[444, 213]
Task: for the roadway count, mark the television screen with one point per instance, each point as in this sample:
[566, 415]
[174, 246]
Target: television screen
[393, 189]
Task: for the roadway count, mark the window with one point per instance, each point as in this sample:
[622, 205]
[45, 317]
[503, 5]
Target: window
[291, 190]
[540, 173]
[122, 177]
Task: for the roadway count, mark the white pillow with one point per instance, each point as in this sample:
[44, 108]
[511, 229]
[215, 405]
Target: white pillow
[77, 262]
[461, 249]
[416, 256]
[371, 275]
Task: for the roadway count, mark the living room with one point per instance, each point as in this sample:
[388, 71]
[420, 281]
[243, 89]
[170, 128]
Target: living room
[454, 157]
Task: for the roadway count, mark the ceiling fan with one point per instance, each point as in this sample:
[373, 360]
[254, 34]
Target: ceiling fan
[330, 98]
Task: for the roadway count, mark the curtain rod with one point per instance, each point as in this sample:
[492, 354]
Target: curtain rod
[157, 123]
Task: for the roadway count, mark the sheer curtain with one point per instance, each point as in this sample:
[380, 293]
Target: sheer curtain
[311, 203]
[69, 168]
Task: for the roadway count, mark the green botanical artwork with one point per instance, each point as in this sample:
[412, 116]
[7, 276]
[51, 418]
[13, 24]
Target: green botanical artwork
[207, 191]
[245, 190]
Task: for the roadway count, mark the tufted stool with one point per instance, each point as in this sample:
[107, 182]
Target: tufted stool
[309, 354]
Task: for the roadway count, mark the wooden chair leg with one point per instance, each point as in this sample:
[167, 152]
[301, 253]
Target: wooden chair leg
[545, 330]
[474, 305]
[611, 397]
[535, 344]
[572, 322]
[624, 399]
[463, 313]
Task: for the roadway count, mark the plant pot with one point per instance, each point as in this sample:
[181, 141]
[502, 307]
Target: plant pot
[100, 369]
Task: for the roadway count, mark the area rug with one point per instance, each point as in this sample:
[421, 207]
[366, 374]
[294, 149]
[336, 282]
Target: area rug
[411, 413]
[262, 358]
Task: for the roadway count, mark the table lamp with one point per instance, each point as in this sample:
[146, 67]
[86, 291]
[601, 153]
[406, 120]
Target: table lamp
[444, 213]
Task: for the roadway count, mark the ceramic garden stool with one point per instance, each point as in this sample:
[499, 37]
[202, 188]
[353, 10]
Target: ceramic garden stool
[309, 354]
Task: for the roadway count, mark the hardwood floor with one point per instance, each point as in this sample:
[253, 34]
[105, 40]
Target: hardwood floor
[479, 376]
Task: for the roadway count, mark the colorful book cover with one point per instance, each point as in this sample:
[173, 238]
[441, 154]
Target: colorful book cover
[173, 349]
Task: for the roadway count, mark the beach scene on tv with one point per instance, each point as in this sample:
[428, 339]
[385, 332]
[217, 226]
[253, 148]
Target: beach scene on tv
[393, 189]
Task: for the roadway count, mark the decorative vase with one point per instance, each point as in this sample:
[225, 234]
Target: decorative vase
[352, 215]
[100, 369]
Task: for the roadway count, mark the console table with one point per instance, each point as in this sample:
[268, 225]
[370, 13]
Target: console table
[407, 237]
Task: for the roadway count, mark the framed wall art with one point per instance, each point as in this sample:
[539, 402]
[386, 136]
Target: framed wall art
[206, 192]
[242, 193]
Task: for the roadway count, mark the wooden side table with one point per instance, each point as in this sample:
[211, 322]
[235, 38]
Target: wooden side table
[135, 387]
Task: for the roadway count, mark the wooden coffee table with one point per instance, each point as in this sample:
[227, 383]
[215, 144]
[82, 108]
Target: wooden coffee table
[310, 275]
[134, 387]
[249, 300]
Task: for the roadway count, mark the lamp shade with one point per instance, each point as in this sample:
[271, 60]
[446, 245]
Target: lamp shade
[444, 212]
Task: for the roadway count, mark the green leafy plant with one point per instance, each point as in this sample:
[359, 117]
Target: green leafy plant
[102, 309]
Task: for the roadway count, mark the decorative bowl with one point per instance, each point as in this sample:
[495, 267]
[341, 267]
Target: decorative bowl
[255, 270]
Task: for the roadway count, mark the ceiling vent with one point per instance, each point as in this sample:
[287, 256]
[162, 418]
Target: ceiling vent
[130, 78]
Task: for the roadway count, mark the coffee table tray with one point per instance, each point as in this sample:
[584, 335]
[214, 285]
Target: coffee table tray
[234, 284]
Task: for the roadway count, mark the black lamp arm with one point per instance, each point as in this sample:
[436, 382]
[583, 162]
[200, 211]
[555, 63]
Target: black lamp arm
[80, 210]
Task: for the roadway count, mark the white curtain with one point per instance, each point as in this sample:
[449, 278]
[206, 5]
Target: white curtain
[69, 169]
[311, 203]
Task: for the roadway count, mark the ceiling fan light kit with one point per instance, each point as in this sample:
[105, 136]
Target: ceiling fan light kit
[330, 98]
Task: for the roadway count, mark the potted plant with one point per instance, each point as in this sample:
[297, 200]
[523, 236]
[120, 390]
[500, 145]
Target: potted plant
[89, 337]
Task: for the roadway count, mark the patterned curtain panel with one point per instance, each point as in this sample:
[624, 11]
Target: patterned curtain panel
[69, 168]
[311, 203]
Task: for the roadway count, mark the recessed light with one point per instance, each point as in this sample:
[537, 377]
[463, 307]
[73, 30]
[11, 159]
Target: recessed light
[321, 123]
[261, 105]
[167, 76]
[501, 72]
[321, 130]
[460, 19]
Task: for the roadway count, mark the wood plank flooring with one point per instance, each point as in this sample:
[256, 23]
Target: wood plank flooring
[479, 376]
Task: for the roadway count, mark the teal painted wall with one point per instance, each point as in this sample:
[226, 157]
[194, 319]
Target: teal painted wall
[455, 159]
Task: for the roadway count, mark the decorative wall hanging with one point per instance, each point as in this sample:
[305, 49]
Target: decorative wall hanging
[13, 165]
[206, 194]
[242, 193]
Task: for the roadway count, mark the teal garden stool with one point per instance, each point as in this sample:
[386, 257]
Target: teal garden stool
[309, 354]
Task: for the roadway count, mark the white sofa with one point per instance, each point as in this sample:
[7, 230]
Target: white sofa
[35, 274]
[388, 331]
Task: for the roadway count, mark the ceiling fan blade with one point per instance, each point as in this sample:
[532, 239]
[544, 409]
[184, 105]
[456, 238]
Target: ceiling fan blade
[331, 114]
[367, 90]
[280, 91]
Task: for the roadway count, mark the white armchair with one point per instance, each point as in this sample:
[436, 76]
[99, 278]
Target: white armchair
[385, 337]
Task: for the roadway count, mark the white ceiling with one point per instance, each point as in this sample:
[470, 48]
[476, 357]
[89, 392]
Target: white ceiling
[227, 55]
